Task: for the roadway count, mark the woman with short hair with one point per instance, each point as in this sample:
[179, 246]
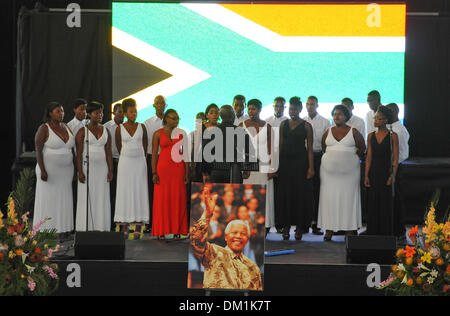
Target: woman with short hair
[54, 172]
[170, 176]
[132, 204]
[340, 194]
[99, 162]
[381, 168]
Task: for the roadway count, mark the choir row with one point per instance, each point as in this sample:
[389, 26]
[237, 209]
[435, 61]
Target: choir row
[312, 153]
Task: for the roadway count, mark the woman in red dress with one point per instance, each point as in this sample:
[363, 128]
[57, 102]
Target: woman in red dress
[170, 179]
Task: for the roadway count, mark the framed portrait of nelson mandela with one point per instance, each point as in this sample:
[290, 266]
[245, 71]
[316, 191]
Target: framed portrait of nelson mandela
[227, 234]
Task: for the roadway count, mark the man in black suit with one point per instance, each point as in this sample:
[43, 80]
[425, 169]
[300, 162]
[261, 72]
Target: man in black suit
[226, 166]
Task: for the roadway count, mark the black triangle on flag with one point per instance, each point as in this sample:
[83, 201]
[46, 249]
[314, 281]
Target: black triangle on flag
[131, 74]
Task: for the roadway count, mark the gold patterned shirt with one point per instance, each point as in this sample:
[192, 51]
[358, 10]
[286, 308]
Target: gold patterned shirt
[223, 268]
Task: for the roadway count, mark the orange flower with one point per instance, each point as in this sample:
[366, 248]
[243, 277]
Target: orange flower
[413, 231]
[19, 252]
[2, 256]
[439, 261]
[446, 247]
[394, 268]
[11, 205]
[410, 282]
[409, 261]
[410, 252]
[419, 280]
[400, 253]
[448, 270]
[38, 251]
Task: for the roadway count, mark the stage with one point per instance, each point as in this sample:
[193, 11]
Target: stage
[153, 267]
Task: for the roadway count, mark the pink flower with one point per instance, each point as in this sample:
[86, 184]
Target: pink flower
[31, 284]
[50, 272]
[36, 228]
[19, 241]
[25, 217]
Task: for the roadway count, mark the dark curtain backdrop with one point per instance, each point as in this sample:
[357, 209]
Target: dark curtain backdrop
[58, 63]
[427, 86]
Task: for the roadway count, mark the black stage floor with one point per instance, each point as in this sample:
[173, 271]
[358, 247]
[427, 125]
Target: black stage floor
[153, 267]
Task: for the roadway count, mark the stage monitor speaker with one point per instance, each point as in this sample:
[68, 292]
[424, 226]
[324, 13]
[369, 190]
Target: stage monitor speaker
[99, 245]
[371, 249]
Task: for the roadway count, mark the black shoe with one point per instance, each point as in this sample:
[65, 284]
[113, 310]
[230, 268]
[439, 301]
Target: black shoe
[317, 231]
[298, 236]
[327, 237]
[267, 230]
[286, 234]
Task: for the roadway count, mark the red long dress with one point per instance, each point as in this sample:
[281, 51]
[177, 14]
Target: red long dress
[169, 197]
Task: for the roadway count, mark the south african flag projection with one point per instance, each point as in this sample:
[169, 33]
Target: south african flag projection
[200, 53]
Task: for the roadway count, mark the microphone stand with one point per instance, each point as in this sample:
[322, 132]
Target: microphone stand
[87, 174]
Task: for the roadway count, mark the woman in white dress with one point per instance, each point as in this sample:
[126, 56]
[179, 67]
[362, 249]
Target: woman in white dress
[100, 172]
[260, 135]
[54, 172]
[340, 198]
[132, 203]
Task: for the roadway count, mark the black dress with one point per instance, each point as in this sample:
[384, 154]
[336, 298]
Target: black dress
[294, 196]
[380, 212]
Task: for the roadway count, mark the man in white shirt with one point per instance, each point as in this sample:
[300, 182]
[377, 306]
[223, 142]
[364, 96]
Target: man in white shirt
[374, 101]
[354, 121]
[403, 154]
[152, 125]
[275, 121]
[319, 125]
[111, 126]
[79, 120]
[239, 106]
[401, 131]
[278, 116]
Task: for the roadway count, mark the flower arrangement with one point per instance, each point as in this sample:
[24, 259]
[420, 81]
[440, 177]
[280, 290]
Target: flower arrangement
[24, 256]
[424, 268]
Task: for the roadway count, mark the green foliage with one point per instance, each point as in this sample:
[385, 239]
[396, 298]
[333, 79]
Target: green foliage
[23, 193]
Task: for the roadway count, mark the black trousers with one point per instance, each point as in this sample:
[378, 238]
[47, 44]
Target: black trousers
[399, 205]
[364, 193]
[150, 188]
[316, 186]
[113, 192]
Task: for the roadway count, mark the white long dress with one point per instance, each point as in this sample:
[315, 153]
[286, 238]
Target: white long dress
[132, 204]
[340, 197]
[54, 197]
[259, 142]
[99, 215]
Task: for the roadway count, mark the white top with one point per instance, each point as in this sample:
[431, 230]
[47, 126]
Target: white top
[403, 138]
[369, 123]
[319, 125]
[276, 121]
[112, 126]
[75, 125]
[357, 123]
[152, 125]
[238, 121]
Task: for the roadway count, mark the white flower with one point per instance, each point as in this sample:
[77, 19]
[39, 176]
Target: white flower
[430, 280]
[401, 267]
[434, 273]
[405, 279]
[422, 267]
[435, 252]
[30, 269]
[24, 257]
